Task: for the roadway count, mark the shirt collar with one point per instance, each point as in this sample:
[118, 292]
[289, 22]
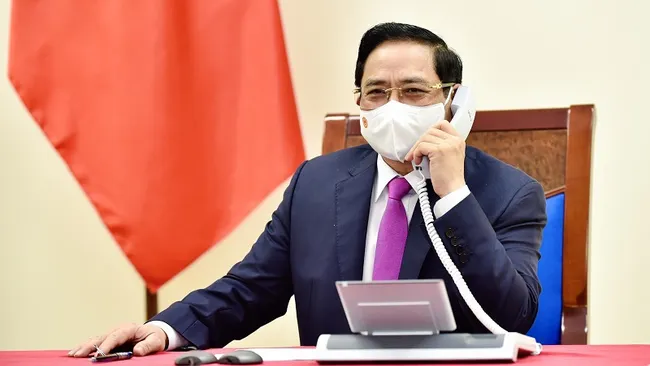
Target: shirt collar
[385, 174]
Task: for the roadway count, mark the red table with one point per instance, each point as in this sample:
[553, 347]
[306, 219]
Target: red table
[552, 355]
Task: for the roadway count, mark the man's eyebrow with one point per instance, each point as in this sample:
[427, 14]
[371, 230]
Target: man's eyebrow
[409, 80]
[373, 82]
[415, 80]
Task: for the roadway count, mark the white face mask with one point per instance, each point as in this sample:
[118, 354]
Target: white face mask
[392, 129]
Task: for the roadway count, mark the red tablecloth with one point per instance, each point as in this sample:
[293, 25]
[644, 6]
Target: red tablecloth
[552, 355]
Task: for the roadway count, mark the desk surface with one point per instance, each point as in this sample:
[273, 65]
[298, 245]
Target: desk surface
[552, 355]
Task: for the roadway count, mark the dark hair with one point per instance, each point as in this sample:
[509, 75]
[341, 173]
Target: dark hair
[447, 63]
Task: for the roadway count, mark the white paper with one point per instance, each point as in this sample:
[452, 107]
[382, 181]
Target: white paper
[282, 354]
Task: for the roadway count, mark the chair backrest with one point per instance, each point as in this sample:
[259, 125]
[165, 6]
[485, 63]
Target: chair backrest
[554, 147]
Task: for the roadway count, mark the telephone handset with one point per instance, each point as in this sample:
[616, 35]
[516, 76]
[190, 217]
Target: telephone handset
[463, 110]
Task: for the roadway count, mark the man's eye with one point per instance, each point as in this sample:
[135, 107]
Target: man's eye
[414, 91]
[374, 91]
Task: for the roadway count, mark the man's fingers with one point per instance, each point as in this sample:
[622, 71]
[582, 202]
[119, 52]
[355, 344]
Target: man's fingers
[447, 128]
[142, 348]
[425, 138]
[433, 135]
[409, 155]
[430, 141]
[434, 140]
[106, 343]
[151, 344]
[438, 131]
[424, 149]
[86, 348]
[116, 338]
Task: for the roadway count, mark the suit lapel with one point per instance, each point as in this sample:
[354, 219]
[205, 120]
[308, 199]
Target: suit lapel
[353, 195]
[418, 243]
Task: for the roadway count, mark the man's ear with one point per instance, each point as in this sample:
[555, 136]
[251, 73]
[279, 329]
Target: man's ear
[453, 92]
[359, 101]
[453, 89]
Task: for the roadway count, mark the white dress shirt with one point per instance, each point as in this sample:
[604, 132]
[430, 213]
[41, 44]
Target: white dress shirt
[378, 202]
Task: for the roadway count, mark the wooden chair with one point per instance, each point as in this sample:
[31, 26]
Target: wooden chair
[554, 147]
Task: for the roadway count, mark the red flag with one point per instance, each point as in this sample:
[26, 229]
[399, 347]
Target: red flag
[176, 117]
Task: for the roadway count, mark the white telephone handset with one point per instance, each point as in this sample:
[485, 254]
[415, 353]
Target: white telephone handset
[463, 110]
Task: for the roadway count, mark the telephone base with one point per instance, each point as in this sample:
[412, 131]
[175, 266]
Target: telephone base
[350, 348]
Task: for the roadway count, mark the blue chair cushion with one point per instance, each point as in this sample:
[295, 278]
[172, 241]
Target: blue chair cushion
[547, 326]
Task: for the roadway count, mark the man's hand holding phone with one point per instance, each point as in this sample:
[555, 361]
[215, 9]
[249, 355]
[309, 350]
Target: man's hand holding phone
[445, 149]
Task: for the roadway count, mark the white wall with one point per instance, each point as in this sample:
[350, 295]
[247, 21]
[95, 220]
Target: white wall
[57, 259]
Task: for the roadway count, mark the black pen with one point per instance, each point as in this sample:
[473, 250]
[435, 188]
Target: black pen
[113, 357]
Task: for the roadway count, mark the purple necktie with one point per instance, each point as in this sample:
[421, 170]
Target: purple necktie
[392, 233]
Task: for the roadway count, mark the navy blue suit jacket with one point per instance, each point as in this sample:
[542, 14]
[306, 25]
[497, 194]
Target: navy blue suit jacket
[317, 236]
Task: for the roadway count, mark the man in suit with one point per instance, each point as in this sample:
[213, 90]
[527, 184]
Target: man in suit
[355, 215]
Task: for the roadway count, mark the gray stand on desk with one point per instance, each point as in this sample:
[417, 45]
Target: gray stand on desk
[403, 320]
